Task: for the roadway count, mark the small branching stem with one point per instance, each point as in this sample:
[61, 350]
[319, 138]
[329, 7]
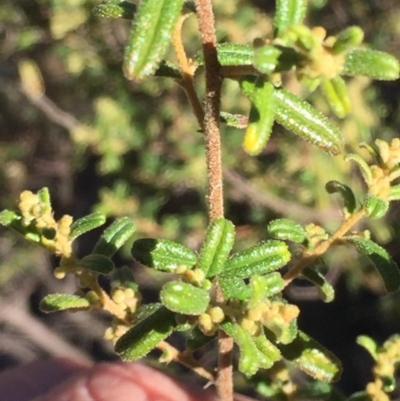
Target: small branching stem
[186, 359]
[188, 69]
[214, 170]
[310, 256]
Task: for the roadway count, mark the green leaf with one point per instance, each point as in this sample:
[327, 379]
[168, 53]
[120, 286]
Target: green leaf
[369, 344]
[345, 191]
[234, 288]
[311, 357]
[385, 265]
[268, 349]
[114, 237]
[393, 196]
[289, 12]
[8, 218]
[59, 302]
[347, 39]
[302, 119]
[168, 70]
[251, 358]
[266, 58]
[325, 289]
[86, 223]
[161, 254]
[234, 120]
[151, 33]
[145, 336]
[115, 9]
[362, 165]
[44, 196]
[263, 287]
[287, 230]
[216, 247]
[335, 92]
[230, 54]
[375, 207]
[372, 63]
[261, 117]
[280, 331]
[260, 259]
[184, 298]
[96, 263]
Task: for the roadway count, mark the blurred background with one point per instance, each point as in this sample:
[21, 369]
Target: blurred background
[71, 122]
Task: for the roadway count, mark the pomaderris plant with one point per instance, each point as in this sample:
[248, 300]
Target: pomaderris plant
[215, 292]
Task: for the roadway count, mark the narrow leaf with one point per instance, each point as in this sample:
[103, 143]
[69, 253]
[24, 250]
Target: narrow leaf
[96, 263]
[335, 92]
[162, 254]
[375, 207]
[372, 63]
[362, 165]
[115, 9]
[263, 287]
[348, 38]
[184, 298]
[268, 349]
[145, 336]
[234, 120]
[234, 288]
[394, 194]
[289, 12]
[345, 191]
[261, 117]
[385, 265]
[250, 359]
[260, 259]
[302, 119]
[325, 289]
[266, 58]
[287, 230]
[311, 357]
[115, 236]
[231, 54]
[151, 32]
[216, 247]
[59, 302]
[86, 223]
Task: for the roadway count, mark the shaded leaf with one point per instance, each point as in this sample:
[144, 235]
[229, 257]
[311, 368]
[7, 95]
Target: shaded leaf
[59, 302]
[115, 236]
[145, 336]
[96, 263]
[311, 357]
[162, 254]
[385, 265]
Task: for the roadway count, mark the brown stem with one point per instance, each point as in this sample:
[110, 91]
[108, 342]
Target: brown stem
[214, 170]
[323, 247]
[186, 359]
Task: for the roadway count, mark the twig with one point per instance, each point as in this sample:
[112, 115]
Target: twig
[205, 18]
[186, 359]
[310, 256]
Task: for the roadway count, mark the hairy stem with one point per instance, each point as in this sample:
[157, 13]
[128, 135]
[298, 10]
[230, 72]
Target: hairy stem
[214, 170]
